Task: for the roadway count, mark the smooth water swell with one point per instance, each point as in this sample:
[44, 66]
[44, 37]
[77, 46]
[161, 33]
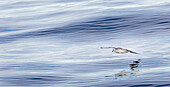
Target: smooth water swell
[25, 16]
[57, 43]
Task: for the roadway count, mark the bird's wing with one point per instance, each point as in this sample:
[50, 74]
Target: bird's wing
[132, 52]
[107, 47]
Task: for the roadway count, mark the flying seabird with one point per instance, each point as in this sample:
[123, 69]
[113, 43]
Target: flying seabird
[119, 50]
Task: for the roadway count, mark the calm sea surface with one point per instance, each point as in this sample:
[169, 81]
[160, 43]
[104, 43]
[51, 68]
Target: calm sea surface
[56, 43]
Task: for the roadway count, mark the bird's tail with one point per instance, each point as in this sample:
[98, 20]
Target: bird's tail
[106, 47]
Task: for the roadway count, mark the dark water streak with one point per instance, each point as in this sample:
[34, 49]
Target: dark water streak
[140, 24]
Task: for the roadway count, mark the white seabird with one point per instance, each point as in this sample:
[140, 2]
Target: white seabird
[119, 50]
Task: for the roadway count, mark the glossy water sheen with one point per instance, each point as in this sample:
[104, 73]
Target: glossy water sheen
[56, 43]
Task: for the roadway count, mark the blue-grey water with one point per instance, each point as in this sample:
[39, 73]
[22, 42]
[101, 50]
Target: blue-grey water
[56, 43]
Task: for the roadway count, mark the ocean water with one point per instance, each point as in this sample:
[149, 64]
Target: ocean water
[56, 43]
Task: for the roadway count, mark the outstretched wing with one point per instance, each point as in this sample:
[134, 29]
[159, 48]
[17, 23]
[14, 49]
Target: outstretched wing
[107, 47]
[132, 52]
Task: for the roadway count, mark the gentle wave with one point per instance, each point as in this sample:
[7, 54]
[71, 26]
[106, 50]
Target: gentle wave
[33, 15]
[57, 43]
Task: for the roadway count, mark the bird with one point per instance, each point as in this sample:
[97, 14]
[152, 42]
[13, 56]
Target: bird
[119, 50]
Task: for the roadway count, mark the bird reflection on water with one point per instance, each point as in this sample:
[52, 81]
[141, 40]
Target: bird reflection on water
[128, 73]
[134, 64]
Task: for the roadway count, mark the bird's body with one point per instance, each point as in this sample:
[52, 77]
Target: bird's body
[119, 50]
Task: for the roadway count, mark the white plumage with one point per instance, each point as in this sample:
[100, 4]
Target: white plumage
[119, 50]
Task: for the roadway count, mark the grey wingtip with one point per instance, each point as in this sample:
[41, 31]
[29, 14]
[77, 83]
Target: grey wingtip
[101, 47]
[136, 53]
[133, 52]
